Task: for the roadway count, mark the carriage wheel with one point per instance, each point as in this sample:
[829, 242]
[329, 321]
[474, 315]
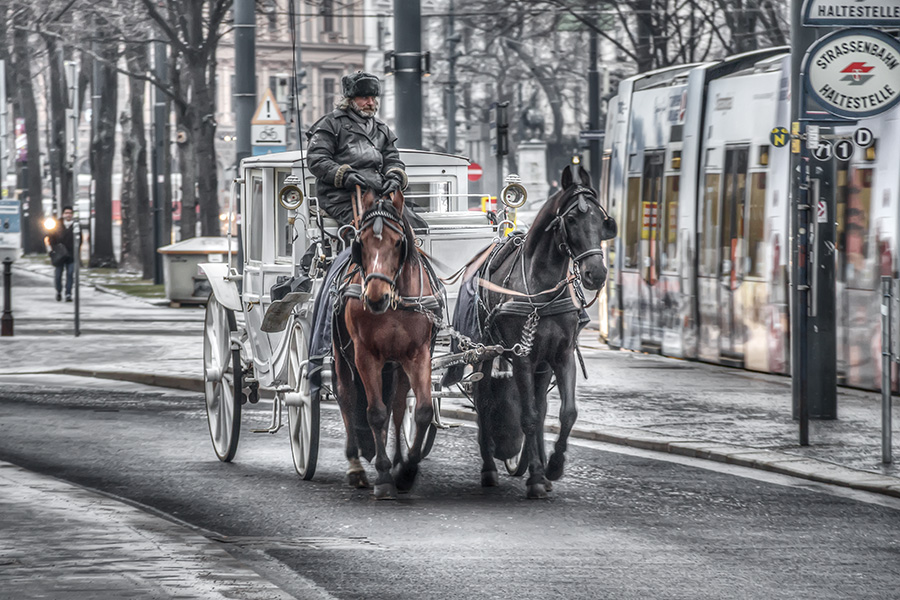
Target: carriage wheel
[518, 465]
[409, 426]
[222, 379]
[302, 408]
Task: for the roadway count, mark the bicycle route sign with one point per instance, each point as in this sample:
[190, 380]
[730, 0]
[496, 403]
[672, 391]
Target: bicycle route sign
[268, 131]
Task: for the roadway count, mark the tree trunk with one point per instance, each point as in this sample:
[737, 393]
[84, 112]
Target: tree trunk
[203, 138]
[187, 167]
[103, 146]
[30, 169]
[137, 242]
[57, 134]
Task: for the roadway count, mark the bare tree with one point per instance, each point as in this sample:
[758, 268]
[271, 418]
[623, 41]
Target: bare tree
[192, 29]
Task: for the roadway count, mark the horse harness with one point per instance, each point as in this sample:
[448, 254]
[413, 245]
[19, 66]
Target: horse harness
[561, 303]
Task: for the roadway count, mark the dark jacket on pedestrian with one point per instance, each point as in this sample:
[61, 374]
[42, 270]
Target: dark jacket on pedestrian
[65, 236]
[341, 143]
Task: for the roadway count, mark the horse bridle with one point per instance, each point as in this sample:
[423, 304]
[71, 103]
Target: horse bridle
[577, 200]
[379, 215]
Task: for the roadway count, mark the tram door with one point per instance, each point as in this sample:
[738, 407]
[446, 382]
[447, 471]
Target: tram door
[651, 205]
[733, 246]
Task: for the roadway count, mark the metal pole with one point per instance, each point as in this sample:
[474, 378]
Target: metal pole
[158, 156]
[6, 322]
[452, 41]
[76, 275]
[801, 37]
[244, 75]
[886, 356]
[4, 142]
[408, 73]
[594, 108]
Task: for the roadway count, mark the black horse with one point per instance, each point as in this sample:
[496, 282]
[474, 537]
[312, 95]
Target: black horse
[529, 300]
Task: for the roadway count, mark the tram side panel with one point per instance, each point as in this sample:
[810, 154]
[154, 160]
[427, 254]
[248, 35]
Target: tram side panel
[734, 277]
[867, 230]
[650, 282]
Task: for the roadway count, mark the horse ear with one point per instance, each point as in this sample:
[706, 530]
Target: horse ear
[584, 176]
[397, 201]
[567, 178]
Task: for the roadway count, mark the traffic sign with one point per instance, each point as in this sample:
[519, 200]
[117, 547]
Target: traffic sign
[779, 137]
[475, 172]
[268, 135]
[823, 150]
[821, 212]
[590, 134]
[863, 137]
[812, 137]
[843, 150]
[853, 73]
[842, 13]
[268, 113]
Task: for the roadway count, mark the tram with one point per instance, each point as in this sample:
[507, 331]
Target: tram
[701, 192]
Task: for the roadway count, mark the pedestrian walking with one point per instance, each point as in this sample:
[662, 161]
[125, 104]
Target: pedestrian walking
[61, 246]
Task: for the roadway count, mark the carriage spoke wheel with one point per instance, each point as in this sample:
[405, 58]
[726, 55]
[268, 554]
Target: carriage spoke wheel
[302, 408]
[518, 465]
[409, 426]
[222, 379]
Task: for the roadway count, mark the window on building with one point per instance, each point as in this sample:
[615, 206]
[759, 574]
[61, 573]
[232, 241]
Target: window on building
[328, 94]
[328, 16]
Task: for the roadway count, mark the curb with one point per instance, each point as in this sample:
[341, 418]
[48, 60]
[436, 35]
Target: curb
[743, 456]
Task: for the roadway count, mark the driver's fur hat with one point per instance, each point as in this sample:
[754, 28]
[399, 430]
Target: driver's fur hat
[360, 84]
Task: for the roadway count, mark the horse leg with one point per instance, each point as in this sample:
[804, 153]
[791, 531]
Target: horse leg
[482, 394]
[418, 372]
[565, 379]
[523, 374]
[401, 391]
[370, 369]
[541, 384]
[347, 398]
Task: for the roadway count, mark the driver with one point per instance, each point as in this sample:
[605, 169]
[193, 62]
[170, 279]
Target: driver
[349, 147]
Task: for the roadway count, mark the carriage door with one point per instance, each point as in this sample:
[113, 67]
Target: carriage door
[651, 204]
[733, 248]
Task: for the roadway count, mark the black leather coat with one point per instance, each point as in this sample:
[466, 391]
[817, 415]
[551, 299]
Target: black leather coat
[338, 146]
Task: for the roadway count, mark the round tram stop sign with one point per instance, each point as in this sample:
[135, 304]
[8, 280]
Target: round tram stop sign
[475, 172]
[854, 73]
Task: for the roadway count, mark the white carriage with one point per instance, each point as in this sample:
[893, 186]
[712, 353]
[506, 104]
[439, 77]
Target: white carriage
[254, 341]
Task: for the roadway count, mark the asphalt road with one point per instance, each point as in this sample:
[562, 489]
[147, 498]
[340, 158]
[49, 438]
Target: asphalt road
[616, 526]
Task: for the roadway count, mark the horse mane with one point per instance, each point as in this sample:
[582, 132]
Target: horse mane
[546, 215]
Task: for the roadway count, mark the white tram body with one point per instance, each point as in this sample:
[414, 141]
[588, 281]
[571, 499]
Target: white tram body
[700, 269]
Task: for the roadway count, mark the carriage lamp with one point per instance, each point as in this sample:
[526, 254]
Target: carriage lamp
[291, 196]
[514, 195]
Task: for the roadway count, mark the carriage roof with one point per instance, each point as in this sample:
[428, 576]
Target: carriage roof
[412, 158]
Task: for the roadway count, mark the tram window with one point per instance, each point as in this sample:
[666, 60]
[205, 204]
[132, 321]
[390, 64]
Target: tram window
[756, 218]
[633, 222]
[669, 224]
[283, 230]
[709, 238]
[859, 268]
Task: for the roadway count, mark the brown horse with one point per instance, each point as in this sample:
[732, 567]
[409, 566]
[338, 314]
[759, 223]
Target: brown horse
[384, 323]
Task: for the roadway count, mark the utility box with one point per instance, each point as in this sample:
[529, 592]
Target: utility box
[185, 283]
[10, 230]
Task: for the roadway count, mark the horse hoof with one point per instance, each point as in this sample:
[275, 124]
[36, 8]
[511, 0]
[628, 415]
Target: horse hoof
[536, 491]
[385, 491]
[405, 476]
[554, 468]
[489, 479]
[358, 479]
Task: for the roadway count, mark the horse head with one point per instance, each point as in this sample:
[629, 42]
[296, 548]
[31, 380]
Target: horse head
[381, 248]
[583, 224]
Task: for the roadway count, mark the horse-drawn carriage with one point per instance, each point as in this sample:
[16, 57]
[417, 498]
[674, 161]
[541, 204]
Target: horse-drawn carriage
[260, 315]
